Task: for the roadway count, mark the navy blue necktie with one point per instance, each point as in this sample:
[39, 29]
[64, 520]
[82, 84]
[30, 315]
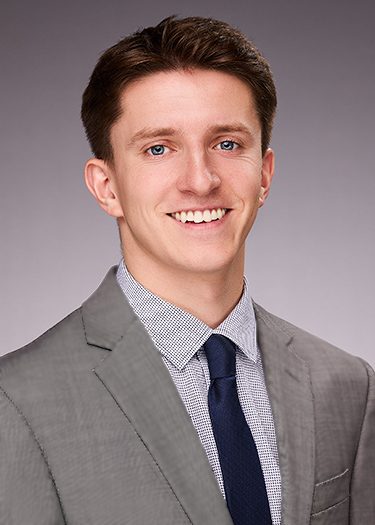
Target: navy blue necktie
[245, 490]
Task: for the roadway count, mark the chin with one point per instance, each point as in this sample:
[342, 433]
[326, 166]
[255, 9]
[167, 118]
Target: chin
[203, 265]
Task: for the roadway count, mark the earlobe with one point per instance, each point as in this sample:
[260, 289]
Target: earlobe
[268, 166]
[99, 178]
[261, 197]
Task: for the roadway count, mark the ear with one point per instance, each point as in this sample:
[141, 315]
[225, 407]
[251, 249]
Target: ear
[100, 181]
[268, 166]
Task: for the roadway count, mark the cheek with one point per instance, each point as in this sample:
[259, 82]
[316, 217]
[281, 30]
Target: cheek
[242, 172]
[155, 190]
[246, 186]
[140, 202]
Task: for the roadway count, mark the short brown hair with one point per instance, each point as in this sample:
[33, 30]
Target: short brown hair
[173, 44]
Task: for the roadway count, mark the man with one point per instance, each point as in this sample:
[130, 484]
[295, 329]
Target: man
[168, 397]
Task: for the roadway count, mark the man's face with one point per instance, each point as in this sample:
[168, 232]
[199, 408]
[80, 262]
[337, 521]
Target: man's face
[188, 172]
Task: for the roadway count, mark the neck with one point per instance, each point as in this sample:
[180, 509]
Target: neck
[209, 296]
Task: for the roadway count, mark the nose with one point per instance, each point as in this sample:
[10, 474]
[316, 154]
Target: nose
[198, 175]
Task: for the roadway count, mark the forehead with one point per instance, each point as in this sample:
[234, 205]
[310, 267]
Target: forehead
[186, 99]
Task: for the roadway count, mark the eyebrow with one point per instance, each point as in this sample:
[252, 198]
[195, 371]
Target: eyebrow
[235, 127]
[151, 133]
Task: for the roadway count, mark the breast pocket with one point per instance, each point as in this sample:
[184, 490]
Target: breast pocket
[331, 500]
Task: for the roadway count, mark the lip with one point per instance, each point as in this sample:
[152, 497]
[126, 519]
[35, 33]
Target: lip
[201, 208]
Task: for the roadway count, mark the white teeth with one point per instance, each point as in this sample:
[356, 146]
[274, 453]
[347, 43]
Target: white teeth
[207, 216]
[199, 216]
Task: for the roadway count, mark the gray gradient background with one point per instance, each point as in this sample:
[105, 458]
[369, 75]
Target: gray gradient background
[311, 255]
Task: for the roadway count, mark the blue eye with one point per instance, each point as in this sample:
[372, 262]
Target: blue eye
[227, 145]
[157, 150]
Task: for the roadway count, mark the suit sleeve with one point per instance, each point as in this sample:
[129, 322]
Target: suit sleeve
[362, 506]
[27, 490]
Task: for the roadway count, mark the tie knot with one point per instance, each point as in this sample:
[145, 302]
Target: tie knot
[221, 356]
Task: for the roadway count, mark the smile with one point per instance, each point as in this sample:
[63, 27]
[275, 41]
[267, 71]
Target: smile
[199, 216]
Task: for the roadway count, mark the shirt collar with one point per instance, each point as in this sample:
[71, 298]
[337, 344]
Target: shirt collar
[177, 334]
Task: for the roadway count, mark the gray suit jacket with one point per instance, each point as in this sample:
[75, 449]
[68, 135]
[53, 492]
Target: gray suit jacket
[93, 431]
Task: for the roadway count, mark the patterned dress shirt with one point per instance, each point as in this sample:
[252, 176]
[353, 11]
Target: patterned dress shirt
[179, 337]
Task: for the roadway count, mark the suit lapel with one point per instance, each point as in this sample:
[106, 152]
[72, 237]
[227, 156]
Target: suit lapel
[135, 376]
[289, 389]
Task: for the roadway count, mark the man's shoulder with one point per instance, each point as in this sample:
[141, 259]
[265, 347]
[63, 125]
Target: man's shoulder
[313, 350]
[68, 345]
[50, 355]
[72, 332]
[52, 338]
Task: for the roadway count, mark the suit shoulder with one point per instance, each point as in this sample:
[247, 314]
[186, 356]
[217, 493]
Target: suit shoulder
[42, 365]
[312, 349]
[48, 343]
